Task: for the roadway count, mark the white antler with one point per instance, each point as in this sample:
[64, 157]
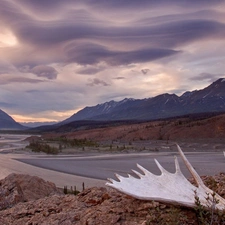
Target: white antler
[168, 187]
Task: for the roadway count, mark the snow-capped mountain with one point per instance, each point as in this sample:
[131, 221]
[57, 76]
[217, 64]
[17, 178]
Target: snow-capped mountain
[209, 99]
[98, 110]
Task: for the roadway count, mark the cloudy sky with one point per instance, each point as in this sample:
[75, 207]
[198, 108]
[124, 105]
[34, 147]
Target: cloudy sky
[58, 56]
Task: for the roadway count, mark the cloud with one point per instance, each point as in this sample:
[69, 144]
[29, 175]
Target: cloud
[145, 71]
[58, 7]
[7, 105]
[45, 71]
[23, 80]
[85, 25]
[24, 69]
[90, 70]
[96, 82]
[92, 54]
[182, 42]
[207, 76]
[6, 79]
[119, 78]
[166, 34]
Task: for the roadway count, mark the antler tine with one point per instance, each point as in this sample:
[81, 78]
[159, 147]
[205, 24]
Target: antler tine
[163, 171]
[137, 173]
[177, 166]
[110, 180]
[190, 168]
[119, 177]
[146, 172]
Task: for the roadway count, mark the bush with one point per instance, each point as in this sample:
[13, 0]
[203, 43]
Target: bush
[39, 147]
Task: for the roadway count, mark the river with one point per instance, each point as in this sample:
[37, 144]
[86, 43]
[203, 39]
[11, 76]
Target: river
[10, 142]
[93, 170]
[12, 153]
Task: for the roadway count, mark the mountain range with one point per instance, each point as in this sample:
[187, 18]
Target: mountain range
[208, 100]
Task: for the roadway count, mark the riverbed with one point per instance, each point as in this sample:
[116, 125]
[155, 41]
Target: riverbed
[93, 169]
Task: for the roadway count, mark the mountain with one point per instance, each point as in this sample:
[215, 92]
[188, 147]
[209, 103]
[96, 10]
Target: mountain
[209, 99]
[100, 109]
[37, 124]
[8, 123]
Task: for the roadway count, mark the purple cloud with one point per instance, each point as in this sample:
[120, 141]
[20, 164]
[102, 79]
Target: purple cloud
[96, 81]
[207, 76]
[45, 71]
[19, 80]
[93, 54]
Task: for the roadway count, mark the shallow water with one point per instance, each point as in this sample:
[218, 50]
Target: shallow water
[12, 142]
[11, 151]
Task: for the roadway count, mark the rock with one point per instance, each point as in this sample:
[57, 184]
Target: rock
[95, 206]
[17, 188]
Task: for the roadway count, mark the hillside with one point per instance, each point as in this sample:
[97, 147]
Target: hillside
[200, 126]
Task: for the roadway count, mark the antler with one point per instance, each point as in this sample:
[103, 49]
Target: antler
[168, 187]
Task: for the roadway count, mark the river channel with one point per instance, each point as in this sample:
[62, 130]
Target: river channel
[94, 169]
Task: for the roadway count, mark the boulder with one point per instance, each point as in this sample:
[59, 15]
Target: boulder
[17, 188]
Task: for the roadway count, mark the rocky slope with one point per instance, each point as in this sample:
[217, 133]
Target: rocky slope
[93, 206]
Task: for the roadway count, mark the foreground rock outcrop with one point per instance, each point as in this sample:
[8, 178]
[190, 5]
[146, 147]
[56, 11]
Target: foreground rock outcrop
[17, 188]
[99, 206]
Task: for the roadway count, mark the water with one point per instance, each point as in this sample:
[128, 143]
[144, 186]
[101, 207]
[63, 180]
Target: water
[11, 152]
[93, 170]
[11, 142]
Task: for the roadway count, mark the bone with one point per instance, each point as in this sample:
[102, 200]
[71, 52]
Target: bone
[171, 188]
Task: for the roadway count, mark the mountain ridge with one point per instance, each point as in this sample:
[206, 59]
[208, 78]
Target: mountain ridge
[209, 99]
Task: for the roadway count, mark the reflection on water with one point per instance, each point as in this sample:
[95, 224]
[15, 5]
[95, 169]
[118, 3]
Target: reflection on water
[9, 142]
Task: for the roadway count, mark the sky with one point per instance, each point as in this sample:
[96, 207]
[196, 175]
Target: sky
[59, 56]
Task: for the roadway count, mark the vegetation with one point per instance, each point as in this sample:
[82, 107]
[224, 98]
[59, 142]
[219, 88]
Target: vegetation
[176, 215]
[77, 142]
[209, 215]
[67, 142]
[170, 216]
[55, 145]
[72, 191]
[43, 147]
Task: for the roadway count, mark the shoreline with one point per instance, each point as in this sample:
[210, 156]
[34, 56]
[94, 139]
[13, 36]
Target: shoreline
[9, 163]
